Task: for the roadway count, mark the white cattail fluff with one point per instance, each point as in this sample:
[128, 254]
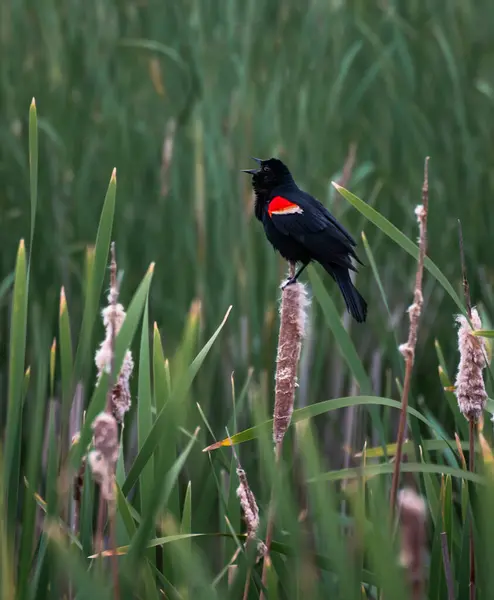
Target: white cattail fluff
[114, 314]
[470, 388]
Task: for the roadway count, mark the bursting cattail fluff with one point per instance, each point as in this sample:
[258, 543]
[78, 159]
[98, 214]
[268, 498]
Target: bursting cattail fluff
[113, 317]
[470, 388]
[250, 510]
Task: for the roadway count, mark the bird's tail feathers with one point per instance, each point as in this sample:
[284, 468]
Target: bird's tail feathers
[355, 303]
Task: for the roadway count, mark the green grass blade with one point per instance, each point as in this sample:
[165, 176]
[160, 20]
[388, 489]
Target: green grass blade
[342, 338]
[144, 405]
[36, 431]
[345, 345]
[158, 498]
[408, 448]
[125, 513]
[7, 585]
[313, 410]
[166, 450]
[52, 470]
[178, 394]
[329, 536]
[53, 358]
[96, 276]
[160, 387]
[66, 363]
[5, 286]
[401, 239]
[88, 585]
[487, 333]
[186, 524]
[16, 382]
[386, 468]
[375, 272]
[33, 168]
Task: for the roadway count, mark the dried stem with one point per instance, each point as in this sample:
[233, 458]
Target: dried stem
[408, 349]
[447, 566]
[113, 285]
[466, 287]
[471, 418]
[108, 410]
[471, 466]
[112, 514]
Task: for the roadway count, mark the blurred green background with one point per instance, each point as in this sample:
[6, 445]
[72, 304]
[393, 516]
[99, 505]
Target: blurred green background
[178, 95]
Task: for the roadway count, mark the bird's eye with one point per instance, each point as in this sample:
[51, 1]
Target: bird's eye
[266, 168]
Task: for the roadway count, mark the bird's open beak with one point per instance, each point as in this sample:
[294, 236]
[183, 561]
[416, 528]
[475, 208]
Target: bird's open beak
[253, 171]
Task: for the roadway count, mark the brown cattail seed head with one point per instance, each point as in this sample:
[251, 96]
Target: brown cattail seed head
[470, 388]
[105, 454]
[412, 517]
[105, 431]
[101, 474]
[250, 510]
[293, 309]
[248, 504]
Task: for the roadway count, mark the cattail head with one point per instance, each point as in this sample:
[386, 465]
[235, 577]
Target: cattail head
[250, 509]
[294, 303]
[120, 399]
[113, 318]
[105, 454]
[248, 504]
[413, 553]
[105, 432]
[470, 388]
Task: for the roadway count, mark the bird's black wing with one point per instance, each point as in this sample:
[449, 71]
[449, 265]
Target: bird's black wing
[301, 217]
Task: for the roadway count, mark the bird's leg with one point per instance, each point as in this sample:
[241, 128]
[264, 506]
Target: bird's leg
[294, 278]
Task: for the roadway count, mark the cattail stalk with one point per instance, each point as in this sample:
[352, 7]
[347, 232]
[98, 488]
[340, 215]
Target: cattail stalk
[103, 458]
[408, 349]
[294, 304]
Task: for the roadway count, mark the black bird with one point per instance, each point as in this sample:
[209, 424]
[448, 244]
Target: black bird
[303, 230]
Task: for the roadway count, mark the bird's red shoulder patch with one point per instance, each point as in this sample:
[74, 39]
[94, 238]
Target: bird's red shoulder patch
[282, 206]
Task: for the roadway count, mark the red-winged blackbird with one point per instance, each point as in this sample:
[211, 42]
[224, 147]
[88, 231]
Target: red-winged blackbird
[302, 229]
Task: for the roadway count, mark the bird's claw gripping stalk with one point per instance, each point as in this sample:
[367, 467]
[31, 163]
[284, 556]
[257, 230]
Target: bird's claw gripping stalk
[289, 281]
